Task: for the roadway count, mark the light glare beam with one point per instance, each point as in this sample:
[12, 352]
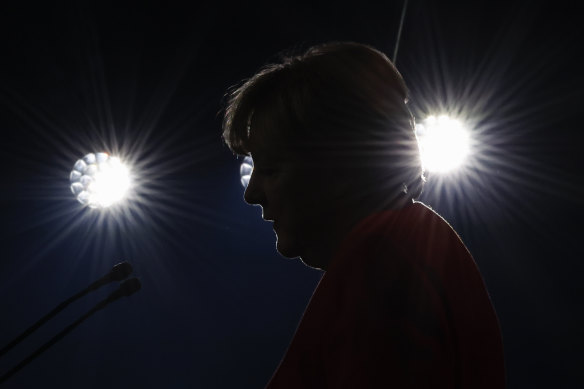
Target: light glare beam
[245, 171]
[99, 180]
[444, 143]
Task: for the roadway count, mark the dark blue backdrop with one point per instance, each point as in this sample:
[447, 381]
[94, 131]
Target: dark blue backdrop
[219, 305]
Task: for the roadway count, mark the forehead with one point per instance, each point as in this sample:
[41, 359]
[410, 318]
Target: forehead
[269, 137]
[268, 149]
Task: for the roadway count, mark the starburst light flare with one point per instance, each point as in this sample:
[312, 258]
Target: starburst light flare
[444, 143]
[100, 180]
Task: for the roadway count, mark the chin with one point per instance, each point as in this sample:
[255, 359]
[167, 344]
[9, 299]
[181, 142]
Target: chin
[287, 251]
[291, 251]
[312, 265]
[286, 248]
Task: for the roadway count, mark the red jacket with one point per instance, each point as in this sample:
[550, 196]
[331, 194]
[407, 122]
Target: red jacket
[402, 305]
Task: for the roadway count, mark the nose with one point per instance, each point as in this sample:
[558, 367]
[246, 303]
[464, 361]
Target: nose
[254, 194]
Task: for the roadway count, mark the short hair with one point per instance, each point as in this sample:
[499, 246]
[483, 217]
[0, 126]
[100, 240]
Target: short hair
[344, 102]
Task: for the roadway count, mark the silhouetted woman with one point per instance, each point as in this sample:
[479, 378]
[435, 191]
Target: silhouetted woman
[337, 169]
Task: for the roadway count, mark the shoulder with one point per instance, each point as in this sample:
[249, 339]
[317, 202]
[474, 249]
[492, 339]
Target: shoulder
[415, 233]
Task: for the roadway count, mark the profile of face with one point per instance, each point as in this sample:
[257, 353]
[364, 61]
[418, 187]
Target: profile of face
[296, 195]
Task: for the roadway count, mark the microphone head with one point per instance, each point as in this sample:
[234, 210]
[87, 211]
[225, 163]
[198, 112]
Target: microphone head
[121, 271]
[126, 288]
[130, 286]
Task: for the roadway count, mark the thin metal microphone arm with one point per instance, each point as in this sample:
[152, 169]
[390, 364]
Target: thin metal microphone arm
[118, 273]
[127, 288]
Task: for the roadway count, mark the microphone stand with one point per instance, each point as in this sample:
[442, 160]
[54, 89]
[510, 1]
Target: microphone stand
[118, 273]
[127, 288]
[42, 321]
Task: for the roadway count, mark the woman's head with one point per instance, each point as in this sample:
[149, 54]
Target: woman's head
[338, 104]
[331, 139]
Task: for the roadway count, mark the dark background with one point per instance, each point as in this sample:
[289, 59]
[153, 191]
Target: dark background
[218, 304]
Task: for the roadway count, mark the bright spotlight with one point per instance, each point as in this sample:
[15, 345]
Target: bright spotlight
[245, 171]
[98, 180]
[444, 143]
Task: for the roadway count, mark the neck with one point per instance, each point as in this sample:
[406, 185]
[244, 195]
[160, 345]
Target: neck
[321, 253]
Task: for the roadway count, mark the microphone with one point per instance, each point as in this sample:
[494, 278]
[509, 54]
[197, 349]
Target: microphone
[125, 289]
[119, 272]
